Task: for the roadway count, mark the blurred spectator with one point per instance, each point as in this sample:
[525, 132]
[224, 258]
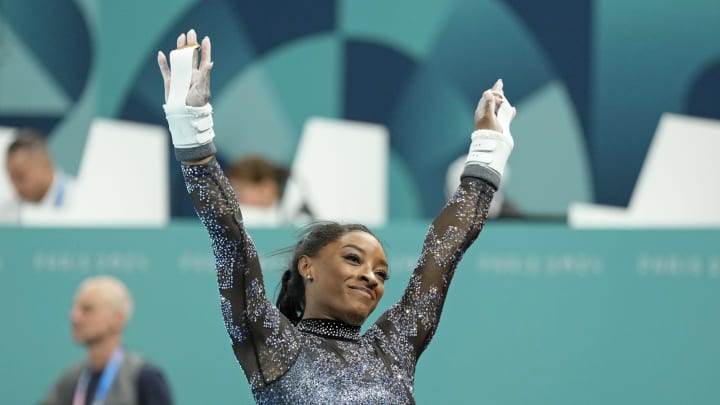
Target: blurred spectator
[257, 182]
[260, 186]
[110, 374]
[38, 184]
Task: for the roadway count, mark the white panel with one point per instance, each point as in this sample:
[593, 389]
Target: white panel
[122, 180]
[678, 185]
[584, 215]
[341, 171]
[680, 179]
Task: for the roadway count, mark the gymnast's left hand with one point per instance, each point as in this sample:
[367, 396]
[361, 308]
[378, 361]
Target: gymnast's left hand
[494, 111]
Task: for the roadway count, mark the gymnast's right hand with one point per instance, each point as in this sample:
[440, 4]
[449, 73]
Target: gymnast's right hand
[199, 91]
[187, 96]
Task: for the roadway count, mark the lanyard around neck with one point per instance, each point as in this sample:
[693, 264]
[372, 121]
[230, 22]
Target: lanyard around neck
[106, 380]
[59, 189]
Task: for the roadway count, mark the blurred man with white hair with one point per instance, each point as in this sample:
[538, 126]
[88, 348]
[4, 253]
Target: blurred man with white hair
[110, 374]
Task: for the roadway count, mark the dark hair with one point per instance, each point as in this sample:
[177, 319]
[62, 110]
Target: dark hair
[27, 139]
[256, 169]
[291, 299]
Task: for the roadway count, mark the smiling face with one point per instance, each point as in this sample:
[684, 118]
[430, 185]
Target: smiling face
[346, 279]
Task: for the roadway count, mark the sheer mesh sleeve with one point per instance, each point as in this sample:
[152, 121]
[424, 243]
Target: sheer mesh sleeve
[263, 340]
[415, 317]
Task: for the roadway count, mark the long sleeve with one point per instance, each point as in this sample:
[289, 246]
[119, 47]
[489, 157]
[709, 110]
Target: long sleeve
[264, 341]
[415, 317]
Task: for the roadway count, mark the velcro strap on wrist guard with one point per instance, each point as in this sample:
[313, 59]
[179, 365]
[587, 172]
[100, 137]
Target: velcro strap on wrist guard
[490, 149]
[189, 126]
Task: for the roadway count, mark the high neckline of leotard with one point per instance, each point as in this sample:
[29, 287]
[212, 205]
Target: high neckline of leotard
[329, 328]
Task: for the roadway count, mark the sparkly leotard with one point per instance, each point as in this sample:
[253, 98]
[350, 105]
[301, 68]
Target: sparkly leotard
[321, 361]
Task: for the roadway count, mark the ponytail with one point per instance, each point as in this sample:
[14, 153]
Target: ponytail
[291, 299]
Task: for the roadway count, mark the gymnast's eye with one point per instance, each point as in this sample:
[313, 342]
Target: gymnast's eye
[351, 257]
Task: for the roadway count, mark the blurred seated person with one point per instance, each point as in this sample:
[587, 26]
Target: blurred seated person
[260, 186]
[39, 185]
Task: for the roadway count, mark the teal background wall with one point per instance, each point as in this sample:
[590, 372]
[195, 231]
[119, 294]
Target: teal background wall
[536, 313]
